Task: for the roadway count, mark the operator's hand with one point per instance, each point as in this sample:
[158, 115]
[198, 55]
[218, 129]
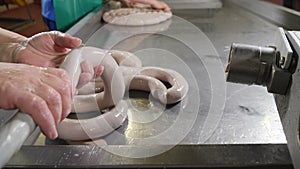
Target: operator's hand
[159, 5]
[88, 73]
[48, 49]
[44, 93]
[153, 3]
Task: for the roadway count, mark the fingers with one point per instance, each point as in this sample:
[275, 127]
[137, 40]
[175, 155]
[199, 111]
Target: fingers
[43, 93]
[127, 3]
[53, 100]
[154, 4]
[166, 7]
[98, 71]
[63, 41]
[57, 61]
[39, 111]
[86, 67]
[88, 73]
[84, 78]
[161, 5]
[59, 80]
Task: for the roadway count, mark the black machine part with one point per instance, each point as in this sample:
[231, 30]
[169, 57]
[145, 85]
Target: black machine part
[267, 66]
[278, 69]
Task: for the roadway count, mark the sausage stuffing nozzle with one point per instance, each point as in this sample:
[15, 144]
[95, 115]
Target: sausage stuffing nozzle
[249, 64]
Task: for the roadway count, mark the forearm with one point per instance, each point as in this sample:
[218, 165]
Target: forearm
[10, 44]
[7, 36]
[9, 51]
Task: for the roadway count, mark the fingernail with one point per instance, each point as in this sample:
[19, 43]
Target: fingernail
[98, 71]
[78, 40]
[53, 133]
[65, 116]
[66, 112]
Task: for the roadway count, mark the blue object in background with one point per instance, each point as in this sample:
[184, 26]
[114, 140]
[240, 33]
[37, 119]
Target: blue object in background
[48, 14]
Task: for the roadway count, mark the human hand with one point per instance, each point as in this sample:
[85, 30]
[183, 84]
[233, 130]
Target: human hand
[153, 3]
[48, 49]
[88, 73]
[44, 93]
[159, 5]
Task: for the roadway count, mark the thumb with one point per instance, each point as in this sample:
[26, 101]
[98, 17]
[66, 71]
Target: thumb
[65, 40]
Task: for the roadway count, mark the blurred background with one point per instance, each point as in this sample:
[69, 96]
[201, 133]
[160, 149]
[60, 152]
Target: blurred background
[24, 16]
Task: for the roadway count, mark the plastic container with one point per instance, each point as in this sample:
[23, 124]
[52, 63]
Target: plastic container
[67, 12]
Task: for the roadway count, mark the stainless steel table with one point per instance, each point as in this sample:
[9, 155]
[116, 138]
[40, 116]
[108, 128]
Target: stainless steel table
[218, 125]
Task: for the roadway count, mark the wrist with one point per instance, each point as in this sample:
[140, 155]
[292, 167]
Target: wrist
[10, 51]
[10, 37]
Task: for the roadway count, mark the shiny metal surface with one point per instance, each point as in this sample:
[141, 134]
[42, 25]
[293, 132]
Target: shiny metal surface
[250, 114]
[186, 156]
[247, 62]
[288, 105]
[275, 14]
[249, 119]
[161, 50]
[259, 122]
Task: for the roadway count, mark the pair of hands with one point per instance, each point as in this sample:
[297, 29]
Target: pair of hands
[36, 86]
